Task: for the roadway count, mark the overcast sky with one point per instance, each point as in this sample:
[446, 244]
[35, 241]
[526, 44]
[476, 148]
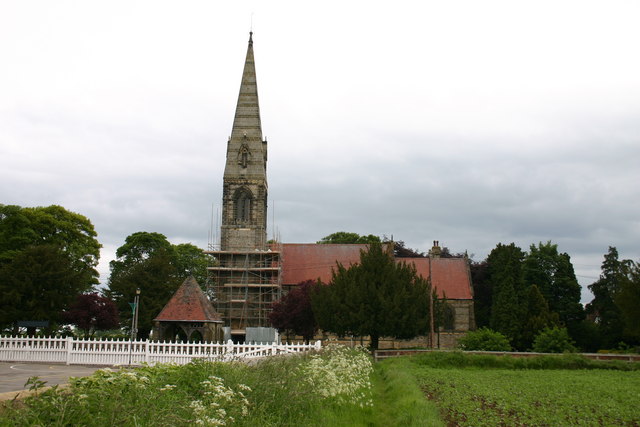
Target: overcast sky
[467, 122]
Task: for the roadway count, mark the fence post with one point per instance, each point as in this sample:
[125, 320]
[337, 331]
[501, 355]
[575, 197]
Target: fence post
[318, 345]
[146, 351]
[229, 350]
[69, 346]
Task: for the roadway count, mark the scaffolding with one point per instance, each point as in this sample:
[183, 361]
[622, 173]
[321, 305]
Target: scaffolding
[243, 285]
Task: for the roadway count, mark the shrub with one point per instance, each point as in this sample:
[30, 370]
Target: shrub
[484, 339]
[553, 340]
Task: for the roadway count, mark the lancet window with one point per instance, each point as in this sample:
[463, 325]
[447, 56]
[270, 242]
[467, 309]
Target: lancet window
[242, 202]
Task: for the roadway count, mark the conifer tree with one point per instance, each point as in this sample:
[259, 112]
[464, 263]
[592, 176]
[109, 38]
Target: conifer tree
[553, 274]
[537, 318]
[603, 309]
[508, 290]
[377, 297]
[628, 300]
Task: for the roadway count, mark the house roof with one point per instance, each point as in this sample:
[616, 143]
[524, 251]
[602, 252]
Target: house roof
[450, 276]
[188, 304]
[310, 261]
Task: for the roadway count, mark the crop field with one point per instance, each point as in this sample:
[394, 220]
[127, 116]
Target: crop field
[475, 396]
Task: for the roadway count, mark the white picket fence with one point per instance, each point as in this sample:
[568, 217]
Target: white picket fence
[120, 352]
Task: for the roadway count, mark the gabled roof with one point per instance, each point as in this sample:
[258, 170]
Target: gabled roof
[189, 304]
[310, 261]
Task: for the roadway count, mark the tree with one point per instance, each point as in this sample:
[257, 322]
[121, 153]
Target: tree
[92, 312]
[553, 340]
[504, 265]
[344, 237]
[155, 277]
[137, 248]
[53, 226]
[482, 292]
[293, 312]
[190, 260]
[553, 274]
[147, 261]
[45, 252]
[602, 309]
[537, 317]
[628, 301]
[377, 297]
[38, 283]
[400, 250]
[484, 339]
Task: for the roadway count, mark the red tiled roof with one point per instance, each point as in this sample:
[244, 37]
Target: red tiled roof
[188, 304]
[310, 261]
[450, 276]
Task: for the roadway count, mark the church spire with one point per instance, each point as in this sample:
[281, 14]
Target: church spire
[244, 218]
[247, 118]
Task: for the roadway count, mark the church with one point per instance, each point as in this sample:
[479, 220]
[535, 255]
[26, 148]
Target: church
[249, 273]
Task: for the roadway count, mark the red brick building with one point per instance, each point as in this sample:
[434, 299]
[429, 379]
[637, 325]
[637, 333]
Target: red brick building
[449, 276]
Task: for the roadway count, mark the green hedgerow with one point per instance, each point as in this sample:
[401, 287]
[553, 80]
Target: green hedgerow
[484, 339]
[553, 340]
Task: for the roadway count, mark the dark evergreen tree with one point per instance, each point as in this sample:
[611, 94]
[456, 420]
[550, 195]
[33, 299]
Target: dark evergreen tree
[509, 292]
[553, 274]
[603, 310]
[482, 293]
[537, 318]
[628, 300]
[377, 297]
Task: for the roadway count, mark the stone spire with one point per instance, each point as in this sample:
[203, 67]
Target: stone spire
[244, 216]
[247, 119]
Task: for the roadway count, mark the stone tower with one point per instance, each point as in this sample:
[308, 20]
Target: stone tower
[244, 196]
[245, 277]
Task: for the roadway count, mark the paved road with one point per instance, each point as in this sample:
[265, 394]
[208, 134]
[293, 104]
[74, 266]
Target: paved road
[14, 375]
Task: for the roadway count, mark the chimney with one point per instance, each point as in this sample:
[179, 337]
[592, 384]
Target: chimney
[435, 250]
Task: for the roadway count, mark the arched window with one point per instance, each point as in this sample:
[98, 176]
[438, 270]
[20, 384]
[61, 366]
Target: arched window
[242, 202]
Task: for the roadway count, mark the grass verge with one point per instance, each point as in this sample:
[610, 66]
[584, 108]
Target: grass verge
[337, 387]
